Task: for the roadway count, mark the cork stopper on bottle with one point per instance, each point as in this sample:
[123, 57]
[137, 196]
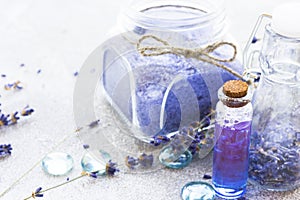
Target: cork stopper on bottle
[235, 88]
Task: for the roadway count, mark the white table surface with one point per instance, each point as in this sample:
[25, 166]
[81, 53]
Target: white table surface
[56, 37]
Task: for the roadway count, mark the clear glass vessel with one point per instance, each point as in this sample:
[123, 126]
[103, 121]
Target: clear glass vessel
[232, 141]
[275, 143]
[159, 94]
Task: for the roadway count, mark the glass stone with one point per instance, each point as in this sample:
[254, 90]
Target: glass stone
[95, 161]
[169, 159]
[57, 163]
[197, 191]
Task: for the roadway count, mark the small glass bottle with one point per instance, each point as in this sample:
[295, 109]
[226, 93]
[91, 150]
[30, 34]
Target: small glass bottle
[232, 136]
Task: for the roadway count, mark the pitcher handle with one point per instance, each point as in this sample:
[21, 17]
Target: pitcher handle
[246, 60]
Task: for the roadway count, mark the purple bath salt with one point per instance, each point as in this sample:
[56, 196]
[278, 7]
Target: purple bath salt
[160, 94]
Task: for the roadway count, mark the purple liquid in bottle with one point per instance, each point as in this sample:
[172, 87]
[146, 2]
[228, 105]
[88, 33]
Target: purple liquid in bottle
[231, 159]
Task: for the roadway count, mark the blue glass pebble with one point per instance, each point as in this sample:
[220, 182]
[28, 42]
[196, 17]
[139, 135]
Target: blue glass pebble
[95, 161]
[170, 160]
[57, 163]
[197, 191]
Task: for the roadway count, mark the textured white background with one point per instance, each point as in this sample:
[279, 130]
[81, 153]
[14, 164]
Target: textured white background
[56, 36]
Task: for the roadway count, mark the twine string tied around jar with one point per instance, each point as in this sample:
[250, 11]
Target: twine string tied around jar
[203, 54]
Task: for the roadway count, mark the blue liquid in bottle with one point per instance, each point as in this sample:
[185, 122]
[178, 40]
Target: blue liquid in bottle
[231, 159]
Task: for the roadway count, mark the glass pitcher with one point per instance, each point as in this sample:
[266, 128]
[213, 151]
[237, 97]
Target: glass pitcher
[275, 140]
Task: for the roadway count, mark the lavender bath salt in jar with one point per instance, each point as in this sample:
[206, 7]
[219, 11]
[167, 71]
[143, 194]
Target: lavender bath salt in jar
[160, 93]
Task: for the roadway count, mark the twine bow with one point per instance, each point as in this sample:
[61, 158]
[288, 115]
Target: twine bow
[203, 54]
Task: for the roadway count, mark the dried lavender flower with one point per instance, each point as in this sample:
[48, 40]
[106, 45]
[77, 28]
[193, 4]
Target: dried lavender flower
[27, 111]
[94, 123]
[111, 168]
[37, 193]
[206, 176]
[131, 162]
[93, 174]
[5, 150]
[4, 119]
[159, 139]
[14, 86]
[146, 160]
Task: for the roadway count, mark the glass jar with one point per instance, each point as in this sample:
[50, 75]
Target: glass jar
[275, 142]
[159, 94]
[232, 140]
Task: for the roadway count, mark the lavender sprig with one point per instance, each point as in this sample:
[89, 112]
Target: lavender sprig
[196, 130]
[111, 169]
[12, 119]
[39, 161]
